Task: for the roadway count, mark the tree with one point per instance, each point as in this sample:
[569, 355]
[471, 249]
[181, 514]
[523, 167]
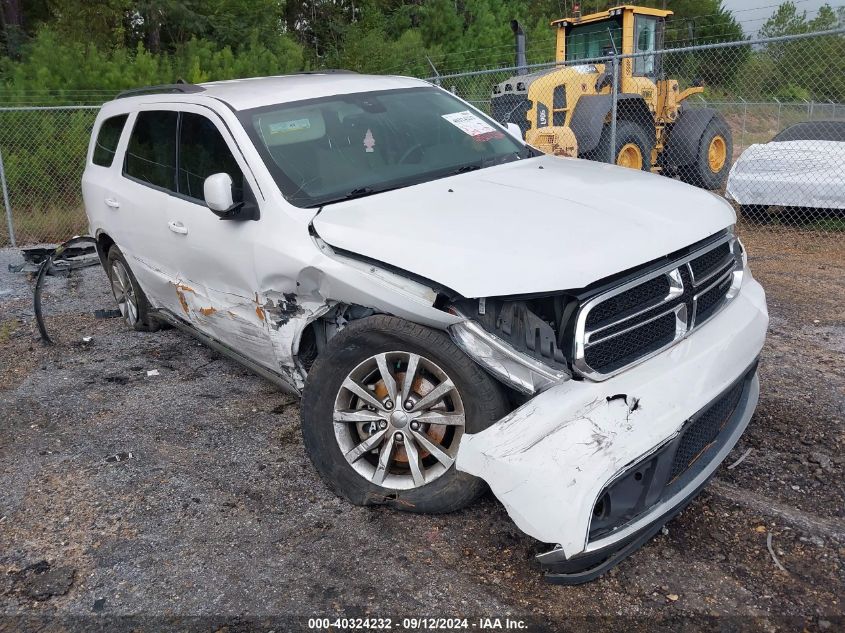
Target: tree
[810, 68]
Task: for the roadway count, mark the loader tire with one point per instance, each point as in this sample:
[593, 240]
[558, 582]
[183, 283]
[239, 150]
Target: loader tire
[713, 158]
[633, 146]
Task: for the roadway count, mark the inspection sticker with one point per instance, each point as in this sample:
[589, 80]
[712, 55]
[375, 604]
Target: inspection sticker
[470, 124]
[283, 127]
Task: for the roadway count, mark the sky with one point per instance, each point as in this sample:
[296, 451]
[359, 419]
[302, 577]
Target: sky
[752, 14]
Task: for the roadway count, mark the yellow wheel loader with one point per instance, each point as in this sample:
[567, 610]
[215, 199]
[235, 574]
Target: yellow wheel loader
[567, 109]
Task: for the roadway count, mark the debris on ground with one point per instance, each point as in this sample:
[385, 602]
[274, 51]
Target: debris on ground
[119, 457]
[741, 459]
[772, 552]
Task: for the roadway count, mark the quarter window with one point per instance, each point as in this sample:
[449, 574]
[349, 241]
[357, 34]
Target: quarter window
[151, 155]
[203, 152]
[107, 140]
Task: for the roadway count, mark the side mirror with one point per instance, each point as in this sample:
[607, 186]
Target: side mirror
[217, 190]
[514, 130]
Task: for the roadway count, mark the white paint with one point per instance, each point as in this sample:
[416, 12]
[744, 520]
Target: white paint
[548, 461]
[517, 228]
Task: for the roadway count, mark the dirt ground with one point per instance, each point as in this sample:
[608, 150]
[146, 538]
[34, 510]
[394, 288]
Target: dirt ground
[184, 500]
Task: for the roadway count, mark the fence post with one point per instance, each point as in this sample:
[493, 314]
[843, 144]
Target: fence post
[614, 102]
[779, 106]
[434, 68]
[6, 201]
[744, 116]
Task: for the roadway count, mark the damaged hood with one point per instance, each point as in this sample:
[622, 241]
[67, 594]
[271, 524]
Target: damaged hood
[534, 225]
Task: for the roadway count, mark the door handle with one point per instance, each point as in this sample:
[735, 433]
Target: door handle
[178, 227]
[111, 202]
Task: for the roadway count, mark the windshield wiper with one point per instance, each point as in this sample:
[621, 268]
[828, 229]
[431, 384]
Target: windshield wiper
[463, 169]
[358, 193]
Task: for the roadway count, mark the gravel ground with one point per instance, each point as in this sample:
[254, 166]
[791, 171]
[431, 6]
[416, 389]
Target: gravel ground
[185, 499]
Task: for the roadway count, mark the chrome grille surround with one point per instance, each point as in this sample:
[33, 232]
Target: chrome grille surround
[693, 297]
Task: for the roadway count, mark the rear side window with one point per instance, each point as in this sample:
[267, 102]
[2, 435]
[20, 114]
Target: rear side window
[107, 139]
[203, 152]
[151, 154]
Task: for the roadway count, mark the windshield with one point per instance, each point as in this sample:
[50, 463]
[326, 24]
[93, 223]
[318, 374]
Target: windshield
[346, 146]
[592, 40]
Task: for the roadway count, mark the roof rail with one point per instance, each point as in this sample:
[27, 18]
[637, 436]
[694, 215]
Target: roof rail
[327, 71]
[180, 88]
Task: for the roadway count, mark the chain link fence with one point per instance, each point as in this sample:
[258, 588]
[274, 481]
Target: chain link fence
[42, 156]
[761, 122]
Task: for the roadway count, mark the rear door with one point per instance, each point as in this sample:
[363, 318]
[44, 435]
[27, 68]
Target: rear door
[101, 179]
[147, 186]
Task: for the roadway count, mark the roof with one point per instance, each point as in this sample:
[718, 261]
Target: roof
[244, 94]
[255, 92]
[603, 15]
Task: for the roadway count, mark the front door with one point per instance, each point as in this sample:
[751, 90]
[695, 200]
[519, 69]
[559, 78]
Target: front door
[214, 259]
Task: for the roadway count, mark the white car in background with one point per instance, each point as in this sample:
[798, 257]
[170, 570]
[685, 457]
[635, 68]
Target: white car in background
[453, 307]
[801, 171]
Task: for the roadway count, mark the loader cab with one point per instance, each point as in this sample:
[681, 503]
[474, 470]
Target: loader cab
[624, 29]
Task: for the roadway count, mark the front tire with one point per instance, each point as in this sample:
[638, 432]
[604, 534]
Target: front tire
[633, 146]
[383, 412]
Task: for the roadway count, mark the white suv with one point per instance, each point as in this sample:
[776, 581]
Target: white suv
[454, 307]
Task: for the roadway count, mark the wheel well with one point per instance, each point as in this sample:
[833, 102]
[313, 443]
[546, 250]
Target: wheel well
[104, 243]
[318, 332]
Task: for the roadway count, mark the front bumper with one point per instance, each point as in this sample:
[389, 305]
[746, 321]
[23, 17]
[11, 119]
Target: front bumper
[549, 461]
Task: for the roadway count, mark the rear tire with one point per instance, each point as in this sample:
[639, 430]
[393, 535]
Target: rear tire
[131, 300]
[713, 158]
[633, 146]
[349, 437]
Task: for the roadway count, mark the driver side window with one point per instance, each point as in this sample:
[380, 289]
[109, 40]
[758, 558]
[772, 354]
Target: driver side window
[203, 152]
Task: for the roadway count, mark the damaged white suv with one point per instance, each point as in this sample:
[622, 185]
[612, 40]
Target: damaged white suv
[454, 307]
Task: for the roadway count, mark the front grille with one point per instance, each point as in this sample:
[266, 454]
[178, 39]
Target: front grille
[707, 263]
[711, 299]
[627, 324]
[618, 351]
[701, 432]
[639, 296]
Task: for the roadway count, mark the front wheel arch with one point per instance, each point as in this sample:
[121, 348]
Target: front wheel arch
[483, 401]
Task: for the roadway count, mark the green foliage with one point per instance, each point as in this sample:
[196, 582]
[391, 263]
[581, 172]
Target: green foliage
[813, 68]
[64, 50]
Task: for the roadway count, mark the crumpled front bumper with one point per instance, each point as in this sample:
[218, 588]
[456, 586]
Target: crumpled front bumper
[550, 460]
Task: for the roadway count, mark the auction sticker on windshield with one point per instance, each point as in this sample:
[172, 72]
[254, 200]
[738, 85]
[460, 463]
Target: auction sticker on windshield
[470, 124]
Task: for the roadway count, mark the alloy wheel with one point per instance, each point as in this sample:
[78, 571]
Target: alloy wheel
[398, 419]
[124, 293]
